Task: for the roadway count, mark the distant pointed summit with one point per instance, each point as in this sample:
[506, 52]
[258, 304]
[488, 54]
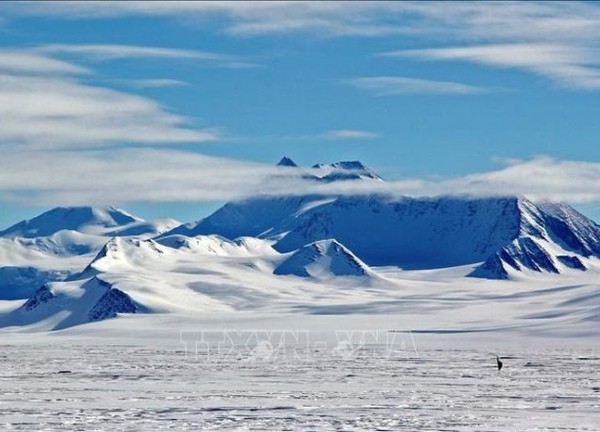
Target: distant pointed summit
[287, 162]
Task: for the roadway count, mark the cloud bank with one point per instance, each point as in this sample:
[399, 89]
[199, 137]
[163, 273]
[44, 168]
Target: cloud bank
[164, 175]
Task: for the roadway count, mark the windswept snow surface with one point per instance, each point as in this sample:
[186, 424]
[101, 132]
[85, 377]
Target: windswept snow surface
[280, 372]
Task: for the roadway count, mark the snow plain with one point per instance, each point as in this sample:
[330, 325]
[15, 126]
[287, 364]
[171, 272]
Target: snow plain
[416, 354]
[235, 371]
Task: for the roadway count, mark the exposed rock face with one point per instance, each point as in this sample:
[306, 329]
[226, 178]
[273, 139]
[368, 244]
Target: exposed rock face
[113, 302]
[42, 295]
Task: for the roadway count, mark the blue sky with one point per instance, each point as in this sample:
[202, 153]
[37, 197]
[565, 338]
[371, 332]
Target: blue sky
[168, 109]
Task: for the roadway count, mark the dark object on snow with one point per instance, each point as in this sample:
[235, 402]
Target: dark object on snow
[499, 363]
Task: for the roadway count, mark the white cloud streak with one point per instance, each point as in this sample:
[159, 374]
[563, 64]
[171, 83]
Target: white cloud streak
[111, 52]
[154, 83]
[245, 19]
[163, 175]
[32, 63]
[556, 40]
[47, 103]
[395, 86]
[508, 21]
[566, 65]
[106, 52]
[125, 175]
[55, 112]
[348, 134]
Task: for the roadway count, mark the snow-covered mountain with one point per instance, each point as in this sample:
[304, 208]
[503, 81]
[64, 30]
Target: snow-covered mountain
[450, 231]
[552, 237]
[60, 242]
[65, 304]
[497, 235]
[122, 253]
[81, 219]
[345, 170]
[251, 217]
[259, 215]
[287, 162]
[74, 265]
[324, 259]
[107, 221]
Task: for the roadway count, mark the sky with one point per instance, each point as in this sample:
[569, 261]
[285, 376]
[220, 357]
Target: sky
[170, 109]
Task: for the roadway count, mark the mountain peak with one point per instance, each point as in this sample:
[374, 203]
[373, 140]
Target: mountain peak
[287, 162]
[350, 165]
[83, 219]
[323, 259]
[345, 170]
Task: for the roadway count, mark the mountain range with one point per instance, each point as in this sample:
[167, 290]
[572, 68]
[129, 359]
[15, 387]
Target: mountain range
[72, 265]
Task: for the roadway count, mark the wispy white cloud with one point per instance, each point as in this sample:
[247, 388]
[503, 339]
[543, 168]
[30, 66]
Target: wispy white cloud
[33, 63]
[556, 40]
[541, 177]
[54, 112]
[566, 65]
[104, 52]
[154, 83]
[111, 52]
[317, 137]
[126, 175]
[164, 175]
[508, 21]
[348, 134]
[48, 103]
[395, 85]
[247, 19]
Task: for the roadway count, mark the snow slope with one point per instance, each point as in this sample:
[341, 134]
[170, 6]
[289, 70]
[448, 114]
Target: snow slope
[503, 233]
[61, 242]
[251, 217]
[553, 237]
[27, 263]
[60, 305]
[345, 170]
[82, 219]
[323, 259]
[107, 221]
